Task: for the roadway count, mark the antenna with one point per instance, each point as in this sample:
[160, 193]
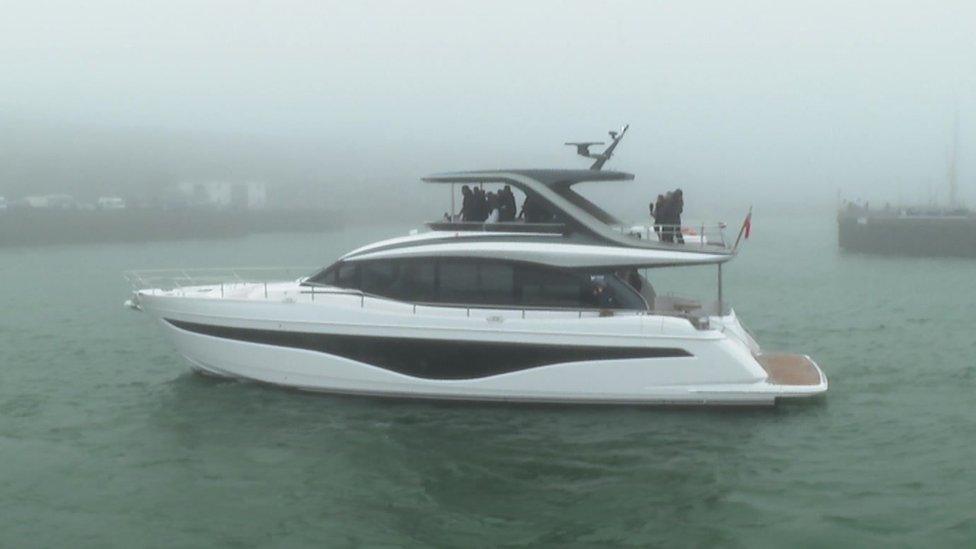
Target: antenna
[583, 148]
[953, 157]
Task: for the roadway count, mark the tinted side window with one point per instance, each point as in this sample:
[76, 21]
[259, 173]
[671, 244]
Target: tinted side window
[458, 282]
[476, 282]
[624, 295]
[479, 282]
[377, 277]
[347, 276]
[327, 277]
[542, 287]
[497, 283]
[415, 281]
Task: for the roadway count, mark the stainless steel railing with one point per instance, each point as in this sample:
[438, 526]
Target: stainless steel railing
[173, 279]
[689, 235]
[215, 282]
[221, 280]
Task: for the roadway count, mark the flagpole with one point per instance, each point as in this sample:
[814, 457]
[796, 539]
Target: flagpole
[742, 229]
[720, 313]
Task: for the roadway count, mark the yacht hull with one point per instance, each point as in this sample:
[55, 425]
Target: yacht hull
[350, 350]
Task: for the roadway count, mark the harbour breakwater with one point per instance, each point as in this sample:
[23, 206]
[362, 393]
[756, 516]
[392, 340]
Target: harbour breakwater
[27, 227]
[908, 235]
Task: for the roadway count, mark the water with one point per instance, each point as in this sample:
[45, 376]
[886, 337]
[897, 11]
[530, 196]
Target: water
[107, 439]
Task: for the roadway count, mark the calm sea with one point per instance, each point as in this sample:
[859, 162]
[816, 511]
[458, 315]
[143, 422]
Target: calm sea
[108, 440]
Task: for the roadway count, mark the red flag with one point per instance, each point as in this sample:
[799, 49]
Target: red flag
[745, 230]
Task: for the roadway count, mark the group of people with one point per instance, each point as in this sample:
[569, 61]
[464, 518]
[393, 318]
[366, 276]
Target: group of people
[487, 207]
[666, 212]
[479, 206]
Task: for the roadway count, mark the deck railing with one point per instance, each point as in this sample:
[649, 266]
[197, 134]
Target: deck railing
[687, 234]
[697, 315]
[218, 282]
[174, 279]
[498, 227]
[700, 235]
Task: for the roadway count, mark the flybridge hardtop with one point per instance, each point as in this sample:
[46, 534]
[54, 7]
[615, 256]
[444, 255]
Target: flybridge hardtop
[548, 177]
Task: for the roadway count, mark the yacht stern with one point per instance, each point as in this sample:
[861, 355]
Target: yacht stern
[792, 375]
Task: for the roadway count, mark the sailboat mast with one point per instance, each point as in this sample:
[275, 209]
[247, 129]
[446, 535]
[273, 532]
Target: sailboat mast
[953, 183]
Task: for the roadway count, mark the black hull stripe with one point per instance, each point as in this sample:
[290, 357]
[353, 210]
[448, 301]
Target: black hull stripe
[432, 358]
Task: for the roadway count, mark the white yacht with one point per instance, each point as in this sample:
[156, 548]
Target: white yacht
[554, 311]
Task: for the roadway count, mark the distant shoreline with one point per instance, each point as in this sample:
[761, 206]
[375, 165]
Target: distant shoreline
[31, 227]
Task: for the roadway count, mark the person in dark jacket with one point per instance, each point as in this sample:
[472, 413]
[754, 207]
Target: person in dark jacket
[527, 213]
[677, 206]
[657, 212]
[494, 209]
[467, 203]
[480, 205]
[534, 210]
[508, 207]
[663, 218]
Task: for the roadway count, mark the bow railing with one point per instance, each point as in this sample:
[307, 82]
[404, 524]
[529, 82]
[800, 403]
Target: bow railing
[173, 279]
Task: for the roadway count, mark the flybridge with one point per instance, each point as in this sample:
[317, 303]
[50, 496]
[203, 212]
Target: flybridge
[558, 208]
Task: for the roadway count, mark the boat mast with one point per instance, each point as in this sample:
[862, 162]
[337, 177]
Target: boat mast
[953, 156]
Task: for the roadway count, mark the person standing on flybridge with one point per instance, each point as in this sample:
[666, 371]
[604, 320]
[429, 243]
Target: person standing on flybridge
[677, 206]
[467, 204]
[667, 216]
[655, 210]
[491, 199]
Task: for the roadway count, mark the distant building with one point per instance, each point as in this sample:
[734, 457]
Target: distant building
[250, 195]
[50, 201]
[111, 203]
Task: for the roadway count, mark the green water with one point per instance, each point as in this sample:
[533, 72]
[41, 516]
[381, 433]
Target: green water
[108, 440]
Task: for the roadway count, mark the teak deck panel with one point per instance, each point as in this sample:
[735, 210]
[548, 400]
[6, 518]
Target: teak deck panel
[786, 369]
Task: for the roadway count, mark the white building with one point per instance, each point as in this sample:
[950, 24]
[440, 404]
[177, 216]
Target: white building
[111, 203]
[51, 201]
[250, 195]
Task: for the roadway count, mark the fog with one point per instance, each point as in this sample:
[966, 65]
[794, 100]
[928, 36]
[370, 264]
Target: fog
[348, 104]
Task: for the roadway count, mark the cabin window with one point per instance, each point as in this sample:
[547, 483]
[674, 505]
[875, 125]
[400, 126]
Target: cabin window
[543, 287]
[497, 282]
[475, 282]
[480, 282]
[415, 281]
[458, 282]
[622, 295]
[548, 287]
[347, 276]
[378, 276]
[324, 278]
[340, 275]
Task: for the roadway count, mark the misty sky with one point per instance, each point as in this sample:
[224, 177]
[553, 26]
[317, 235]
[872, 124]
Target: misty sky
[735, 101]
